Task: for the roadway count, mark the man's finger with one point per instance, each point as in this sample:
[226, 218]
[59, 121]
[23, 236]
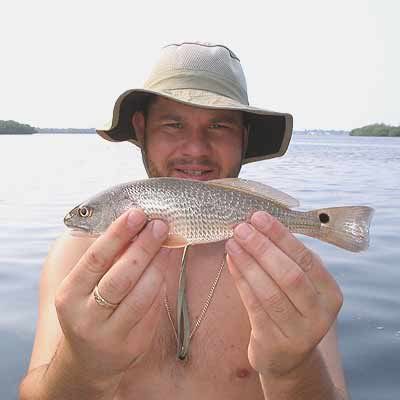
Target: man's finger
[101, 254]
[306, 259]
[286, 274]
[284, 239]
[138, 303]
[258, 316]
[127, 271]
[273, 300]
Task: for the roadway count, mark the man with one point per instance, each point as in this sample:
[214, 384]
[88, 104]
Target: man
[262, 328]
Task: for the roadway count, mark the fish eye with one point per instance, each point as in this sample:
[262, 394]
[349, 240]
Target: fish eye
[85, 212]
[324, 218]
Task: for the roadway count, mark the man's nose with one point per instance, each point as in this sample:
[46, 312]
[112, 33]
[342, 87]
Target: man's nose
[197, 142]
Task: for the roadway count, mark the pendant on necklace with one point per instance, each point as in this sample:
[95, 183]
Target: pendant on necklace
[182, 356]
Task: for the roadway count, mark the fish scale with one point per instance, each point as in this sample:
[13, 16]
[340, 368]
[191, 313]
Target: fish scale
[203, 212]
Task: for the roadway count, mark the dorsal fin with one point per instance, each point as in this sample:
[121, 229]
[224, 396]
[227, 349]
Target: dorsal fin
[257, 188]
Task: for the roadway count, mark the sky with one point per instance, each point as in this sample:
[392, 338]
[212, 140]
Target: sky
[332, 64]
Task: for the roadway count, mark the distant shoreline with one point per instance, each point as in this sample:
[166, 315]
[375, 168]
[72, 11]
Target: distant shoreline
[377, 130]
[11, 127]
[66, 130]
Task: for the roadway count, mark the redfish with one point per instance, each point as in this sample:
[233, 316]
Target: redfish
[207, 211]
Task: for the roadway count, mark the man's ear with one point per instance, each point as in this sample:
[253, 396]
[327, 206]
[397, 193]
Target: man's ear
[138, 123]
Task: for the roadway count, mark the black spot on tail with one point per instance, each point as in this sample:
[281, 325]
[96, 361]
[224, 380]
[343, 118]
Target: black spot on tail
[324, 218]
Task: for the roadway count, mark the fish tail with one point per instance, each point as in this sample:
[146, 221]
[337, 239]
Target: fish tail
[345, 227]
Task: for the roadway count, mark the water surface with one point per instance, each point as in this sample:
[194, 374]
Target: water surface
[44, 176]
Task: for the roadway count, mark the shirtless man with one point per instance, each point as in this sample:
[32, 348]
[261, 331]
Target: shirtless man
[262, 318]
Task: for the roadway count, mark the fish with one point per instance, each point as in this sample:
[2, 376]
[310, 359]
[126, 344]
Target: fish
[200, 212]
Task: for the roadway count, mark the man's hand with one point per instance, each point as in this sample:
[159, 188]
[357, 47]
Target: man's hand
[291, 299]
[128, 266]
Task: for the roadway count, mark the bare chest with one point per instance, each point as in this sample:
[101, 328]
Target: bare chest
[217, 366]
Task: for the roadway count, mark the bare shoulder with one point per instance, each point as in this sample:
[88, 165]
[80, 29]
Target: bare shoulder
[63, 256]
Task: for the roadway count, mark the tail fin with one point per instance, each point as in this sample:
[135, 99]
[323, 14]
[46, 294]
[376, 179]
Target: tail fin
[345, 227]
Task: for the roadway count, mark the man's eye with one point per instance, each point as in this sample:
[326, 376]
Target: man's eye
[176, 125]
[218, 126]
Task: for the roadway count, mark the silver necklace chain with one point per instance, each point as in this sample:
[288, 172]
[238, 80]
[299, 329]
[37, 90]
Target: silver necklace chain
[204, 309]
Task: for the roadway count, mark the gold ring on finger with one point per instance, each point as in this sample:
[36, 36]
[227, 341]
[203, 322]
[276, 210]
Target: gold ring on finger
[101, 301]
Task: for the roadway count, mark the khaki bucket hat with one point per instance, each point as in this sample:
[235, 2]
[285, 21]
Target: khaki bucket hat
[209, 76]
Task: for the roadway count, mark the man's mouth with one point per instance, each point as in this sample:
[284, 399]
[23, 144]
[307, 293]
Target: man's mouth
[196, 173]
[192, 172]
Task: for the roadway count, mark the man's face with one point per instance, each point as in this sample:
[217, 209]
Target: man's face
[191, 142]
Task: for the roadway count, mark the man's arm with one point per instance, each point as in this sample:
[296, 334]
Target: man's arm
[63, 256]
[292, 302]
[82, 349]
[330, 353]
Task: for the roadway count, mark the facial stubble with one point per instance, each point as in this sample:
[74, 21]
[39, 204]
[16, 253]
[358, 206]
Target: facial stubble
[153, 172]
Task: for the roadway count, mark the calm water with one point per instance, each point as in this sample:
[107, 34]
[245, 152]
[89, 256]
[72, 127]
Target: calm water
[43, 176]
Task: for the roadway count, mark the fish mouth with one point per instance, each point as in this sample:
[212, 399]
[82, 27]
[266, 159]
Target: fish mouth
[67, 220]
[73, 228]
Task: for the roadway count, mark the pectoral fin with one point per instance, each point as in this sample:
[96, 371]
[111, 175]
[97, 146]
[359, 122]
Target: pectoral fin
[175, 241]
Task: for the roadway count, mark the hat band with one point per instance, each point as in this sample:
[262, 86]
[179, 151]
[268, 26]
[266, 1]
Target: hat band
[201, 81]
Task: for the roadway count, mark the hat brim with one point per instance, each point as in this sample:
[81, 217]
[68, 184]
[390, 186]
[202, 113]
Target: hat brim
[270, 131]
